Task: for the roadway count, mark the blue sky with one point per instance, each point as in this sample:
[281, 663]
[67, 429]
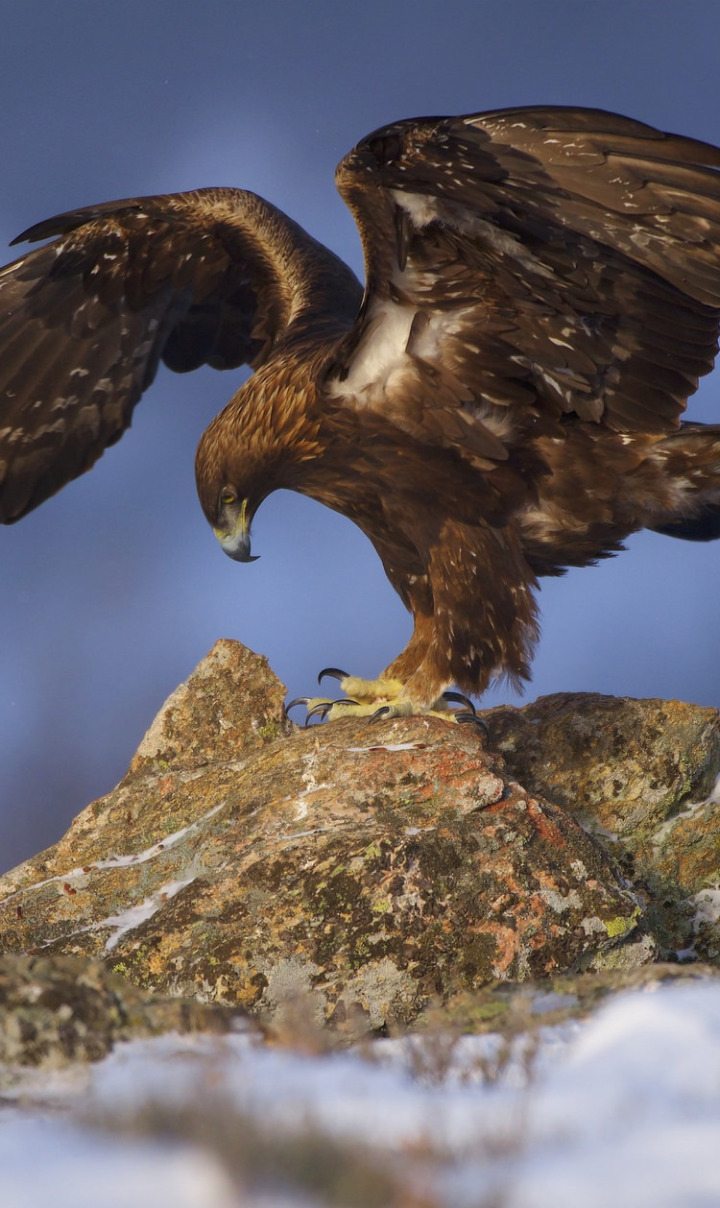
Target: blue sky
[112, 592]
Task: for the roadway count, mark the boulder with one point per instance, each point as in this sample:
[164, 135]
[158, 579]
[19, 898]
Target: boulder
[369, 867]
[57, 1010]
[642, 776]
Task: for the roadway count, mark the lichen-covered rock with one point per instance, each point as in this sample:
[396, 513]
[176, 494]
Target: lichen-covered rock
[55, 1010]
[375, 866]
[514, 1009]
[642, 776]
[231, 705]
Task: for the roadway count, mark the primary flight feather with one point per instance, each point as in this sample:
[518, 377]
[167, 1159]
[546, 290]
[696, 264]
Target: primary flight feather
[501, 402]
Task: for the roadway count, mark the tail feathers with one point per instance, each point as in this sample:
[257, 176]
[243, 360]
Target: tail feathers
[692, 470]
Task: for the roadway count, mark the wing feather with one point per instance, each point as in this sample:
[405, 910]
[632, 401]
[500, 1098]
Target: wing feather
[216, 276]
[558, 262]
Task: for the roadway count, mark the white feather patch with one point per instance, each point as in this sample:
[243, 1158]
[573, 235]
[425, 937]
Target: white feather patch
[422, 209]
[379, 356]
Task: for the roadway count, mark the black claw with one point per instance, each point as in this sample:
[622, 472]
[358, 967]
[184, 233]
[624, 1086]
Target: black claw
[378, 715]
[458, 699]
[472, 719]
[333, 672]
[321, 709]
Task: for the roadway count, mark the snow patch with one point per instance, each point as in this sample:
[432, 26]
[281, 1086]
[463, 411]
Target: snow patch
[623, 1109]
[135, 915]
[140, 857]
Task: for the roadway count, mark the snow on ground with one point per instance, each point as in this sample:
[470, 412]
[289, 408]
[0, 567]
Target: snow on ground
[620, 1111]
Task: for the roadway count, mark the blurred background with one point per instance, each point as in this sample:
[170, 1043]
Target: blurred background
[112, 592]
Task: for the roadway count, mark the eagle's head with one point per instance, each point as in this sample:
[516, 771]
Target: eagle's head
[231, 491]
[263, 441]
[231, 485]
[233, 516]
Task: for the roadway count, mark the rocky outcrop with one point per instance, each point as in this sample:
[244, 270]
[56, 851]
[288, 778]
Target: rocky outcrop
[642, 776]
[56, 1010]
[371, 869]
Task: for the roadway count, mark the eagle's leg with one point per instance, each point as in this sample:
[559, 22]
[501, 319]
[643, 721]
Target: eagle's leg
[385, 696]
[478, 620]
[363, 698]
[475, 618]
[382, 697]
[378, 698]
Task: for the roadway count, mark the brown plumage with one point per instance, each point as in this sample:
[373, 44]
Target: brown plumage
[503, 401]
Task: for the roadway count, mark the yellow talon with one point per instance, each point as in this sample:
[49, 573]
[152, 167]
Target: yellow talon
[379, 699]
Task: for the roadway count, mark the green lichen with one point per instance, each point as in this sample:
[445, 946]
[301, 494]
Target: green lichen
[490, 1011]
[622, 924]
[270, 731]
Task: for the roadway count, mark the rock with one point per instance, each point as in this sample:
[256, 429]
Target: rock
[512, 1008]
[231, 705]
[642, 776]
[55, 1010]
[373, 867]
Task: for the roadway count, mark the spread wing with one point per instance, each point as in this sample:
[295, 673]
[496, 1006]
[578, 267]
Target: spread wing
[529, 266]
[215, 277]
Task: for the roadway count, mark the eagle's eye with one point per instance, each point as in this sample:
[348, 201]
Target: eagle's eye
[227, 497]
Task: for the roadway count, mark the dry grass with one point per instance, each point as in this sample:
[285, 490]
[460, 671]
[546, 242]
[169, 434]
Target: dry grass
[442, 1052]
[306, 1162]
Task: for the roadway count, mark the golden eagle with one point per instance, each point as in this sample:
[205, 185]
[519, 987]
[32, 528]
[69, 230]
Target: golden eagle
[502, 402]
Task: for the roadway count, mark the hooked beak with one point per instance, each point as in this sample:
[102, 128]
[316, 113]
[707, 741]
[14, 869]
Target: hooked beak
[236, 543]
